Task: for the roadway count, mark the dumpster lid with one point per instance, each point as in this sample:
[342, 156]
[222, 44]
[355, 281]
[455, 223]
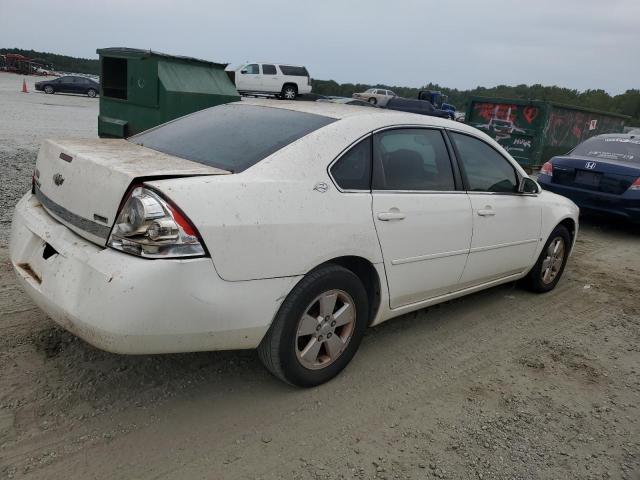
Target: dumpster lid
[140, 53]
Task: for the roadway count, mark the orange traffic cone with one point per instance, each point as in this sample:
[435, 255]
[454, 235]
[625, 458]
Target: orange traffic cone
[24, 86]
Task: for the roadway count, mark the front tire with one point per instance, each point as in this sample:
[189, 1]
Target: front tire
[48, 89]
[546, 273]
[318, 328]
[373, 101]
[91, 93]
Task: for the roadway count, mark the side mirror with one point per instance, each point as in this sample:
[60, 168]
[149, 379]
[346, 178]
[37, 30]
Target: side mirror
[527, 185]
[243, 71]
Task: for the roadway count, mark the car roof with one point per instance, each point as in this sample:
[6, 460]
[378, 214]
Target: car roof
[384, 117]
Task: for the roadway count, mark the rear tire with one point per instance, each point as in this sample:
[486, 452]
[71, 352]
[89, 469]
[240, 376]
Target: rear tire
[318, 328]
[546, 273]
[48, 89]
[373, 101]
[289, 92]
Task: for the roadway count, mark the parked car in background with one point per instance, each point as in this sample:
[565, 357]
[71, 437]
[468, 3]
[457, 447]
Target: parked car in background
[602, 174]
[421, 107]
[70, 84]
[282, 80]
[289, 227]
[375, 96]
[347, 101]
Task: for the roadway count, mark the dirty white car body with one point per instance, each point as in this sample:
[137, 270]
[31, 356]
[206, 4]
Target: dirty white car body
[262, 230]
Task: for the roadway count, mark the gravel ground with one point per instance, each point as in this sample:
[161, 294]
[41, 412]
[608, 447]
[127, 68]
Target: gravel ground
[503, 384]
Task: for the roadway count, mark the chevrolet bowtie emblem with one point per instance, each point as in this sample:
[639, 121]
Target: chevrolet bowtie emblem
[58, 179]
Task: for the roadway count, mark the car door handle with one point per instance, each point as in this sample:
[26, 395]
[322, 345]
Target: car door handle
[486, 212]
[391, 215]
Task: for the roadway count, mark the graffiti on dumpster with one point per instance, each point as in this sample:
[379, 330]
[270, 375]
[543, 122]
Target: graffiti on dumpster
[567, 128]
[508, 124]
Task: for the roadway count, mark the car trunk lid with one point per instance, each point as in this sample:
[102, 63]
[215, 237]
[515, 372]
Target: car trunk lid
[82, 182]
[587, 173]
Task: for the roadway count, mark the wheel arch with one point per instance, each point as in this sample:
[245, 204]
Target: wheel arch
[368, 275]
[570, 224]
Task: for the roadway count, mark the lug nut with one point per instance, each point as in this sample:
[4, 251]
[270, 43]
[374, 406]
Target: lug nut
[318, 328]
[319, 338]
[333, 324]
[328, 335]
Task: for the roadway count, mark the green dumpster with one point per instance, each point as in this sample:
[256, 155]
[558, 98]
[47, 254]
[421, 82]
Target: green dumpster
[140, 89]
[533, 131]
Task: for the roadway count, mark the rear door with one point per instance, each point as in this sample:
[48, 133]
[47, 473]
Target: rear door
[270, 80]
[506, 224]
[423, 222]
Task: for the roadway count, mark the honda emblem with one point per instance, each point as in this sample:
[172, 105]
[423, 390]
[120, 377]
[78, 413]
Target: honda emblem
[590, 165]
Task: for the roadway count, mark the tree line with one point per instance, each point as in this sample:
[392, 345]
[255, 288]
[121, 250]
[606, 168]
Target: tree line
[627, 103]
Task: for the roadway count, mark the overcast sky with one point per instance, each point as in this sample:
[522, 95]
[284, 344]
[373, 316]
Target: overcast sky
[456, 43]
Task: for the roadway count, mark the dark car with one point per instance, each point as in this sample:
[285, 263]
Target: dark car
[421, 107]
[70, 84]
[602, 174]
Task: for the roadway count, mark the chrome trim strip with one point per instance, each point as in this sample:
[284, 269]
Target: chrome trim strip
[452, 253]
[430, 256]
[77, 221]
[501, 245]
[421, 191]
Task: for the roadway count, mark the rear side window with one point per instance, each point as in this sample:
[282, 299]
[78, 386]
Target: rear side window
[486, 169]
[295, 71]
[353, 170]
[233, 136]
[411, 159]
[268, 69]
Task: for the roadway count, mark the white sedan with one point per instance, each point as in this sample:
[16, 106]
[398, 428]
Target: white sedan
[284, 226]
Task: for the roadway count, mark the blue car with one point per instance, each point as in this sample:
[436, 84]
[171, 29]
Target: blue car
[602, 174]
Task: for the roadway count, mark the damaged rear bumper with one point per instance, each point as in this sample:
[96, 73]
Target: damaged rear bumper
[125, 304]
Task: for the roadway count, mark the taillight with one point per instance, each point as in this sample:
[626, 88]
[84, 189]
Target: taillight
[150, 226]
[547, 169]
[635, 185]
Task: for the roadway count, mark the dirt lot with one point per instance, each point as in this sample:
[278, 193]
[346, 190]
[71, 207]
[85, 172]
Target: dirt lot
[504, 384]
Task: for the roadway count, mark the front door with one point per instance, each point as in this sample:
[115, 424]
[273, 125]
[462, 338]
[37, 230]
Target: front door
[506, 224]
[422, 221]
[249, 79]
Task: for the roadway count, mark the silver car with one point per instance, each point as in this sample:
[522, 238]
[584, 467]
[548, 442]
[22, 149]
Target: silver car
[375, 96]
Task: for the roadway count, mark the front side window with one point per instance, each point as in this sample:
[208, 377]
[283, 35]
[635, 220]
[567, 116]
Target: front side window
[353, 170]
[252, 69]
[411, 159]
[268, 69]
[485, 168]
[390, 93]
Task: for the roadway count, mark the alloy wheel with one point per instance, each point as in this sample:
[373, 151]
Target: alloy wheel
[325, 329]
[553, 261]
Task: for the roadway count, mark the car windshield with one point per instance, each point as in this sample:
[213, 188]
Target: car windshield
[233, 136]
[501, 123]
[370, 90]
[615, 148]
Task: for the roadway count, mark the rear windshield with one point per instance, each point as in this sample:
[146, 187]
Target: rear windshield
[615, 148]
[232, 137]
